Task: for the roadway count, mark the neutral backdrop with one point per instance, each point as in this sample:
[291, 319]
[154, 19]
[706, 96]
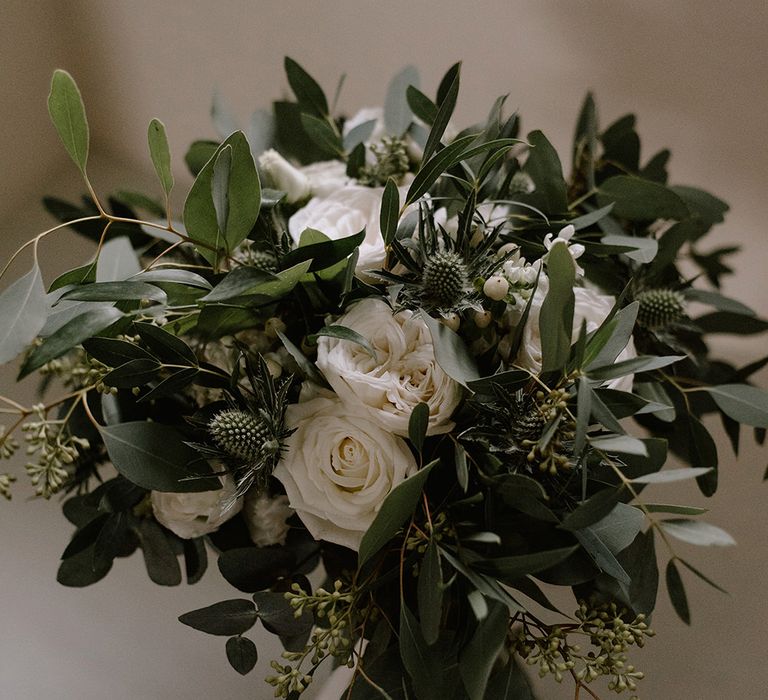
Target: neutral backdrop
[694, 72]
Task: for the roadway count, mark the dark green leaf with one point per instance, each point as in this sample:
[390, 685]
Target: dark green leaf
[450, 352]
[430, 594]
[421, 665]
[509, 379]
[585, 139]
[71, 334]
[431, 170]
[444, 112]
[195, 559]
[198, 154]
[390, 210]
[704, 578]
[397, 507]
[677, 594]
[155, 457]
[250, 569]
[510, 569]
[703, 205]
[556, 314]
[421, 105]
[729, 322]
[592, 510]
[165, 345]
[279, 617]
[325, 137]
[161, 154]
[641, 200]
[639, 561]
[133, 373]
[643, 363]
[602, 555]
[23, 308]
[65, 105]
[462, 471]
[159, 557]
[139, 200]
[510, 683]
[309, 94]
[478, 657]
[226, 618]
[344, 333]
[325, 253]
[81, 570]
[190, 279]
[243, 197]
[545, 169]
[643, 249]
[85, 537]
[241, 654]
[720, 302]
[86, 274]
[418, 424]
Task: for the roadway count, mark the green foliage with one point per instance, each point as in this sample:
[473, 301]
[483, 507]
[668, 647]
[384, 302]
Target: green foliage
[65, 105]
[24, 309]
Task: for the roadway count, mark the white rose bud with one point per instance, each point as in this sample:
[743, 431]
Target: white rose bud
[284, 176]
[403, 374]
[338, 468]
[273, 326]
[496, 288]
[191, 515]
[266, 518]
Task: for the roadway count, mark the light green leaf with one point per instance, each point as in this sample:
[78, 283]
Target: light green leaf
[116, 291]
[674, 509]
[23, 308]
[611, 337]
[643, 363]
[619, 528]
[592, 510]
[65, 105]
[745, 404]
[656, 393]
[669, 475]
[155, 457]
[344, 333]
[117, 261]
[172, 276]
[397, 113]
[322, 251]
[450, 352]
[220, 186]
[718, 301]
[623, 444]
[697, 532]
[556, 314]
[160, 154]
[397, 507]
[644, 249]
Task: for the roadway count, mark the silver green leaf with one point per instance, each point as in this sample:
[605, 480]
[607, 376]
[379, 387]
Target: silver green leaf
[65, 105]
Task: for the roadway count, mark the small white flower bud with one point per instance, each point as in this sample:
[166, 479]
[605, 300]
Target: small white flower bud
[452, 320]
[274, 325]
[496, 287]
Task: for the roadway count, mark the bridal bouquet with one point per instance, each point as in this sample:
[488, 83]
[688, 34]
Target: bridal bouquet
[400, 380]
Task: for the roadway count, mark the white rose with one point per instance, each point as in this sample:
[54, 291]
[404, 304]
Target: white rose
[343, 213]
[191, 515]
[266, 518]
[338, 468]
[404, 373]
[591, 306]
[299, 183]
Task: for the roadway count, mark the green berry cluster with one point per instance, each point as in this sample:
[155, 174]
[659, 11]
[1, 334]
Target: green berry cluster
[391, 162]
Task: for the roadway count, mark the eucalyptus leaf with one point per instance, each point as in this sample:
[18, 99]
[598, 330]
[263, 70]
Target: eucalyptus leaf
[160, 154]
[156, 457]
[544, 167]
[226, 618]
[450, 352]
[323, 253]
[159, 557]
[309, 94]
[23, 308]
[222, 167]
[430, 594]
[511, 568]
[390, 210]
[444, 112]
[344, 333]
[397, 113]
[478, 658]
[643, 363]
[745, 404]
[670, 475]
[697, 532]
[418, 424]
[677, 594]
[65, 105]
[116, 291]
[241, 654]
[556, 314]
[71, 334]
[397, 507]
[117, 261]
[644, 249]
[641, 200]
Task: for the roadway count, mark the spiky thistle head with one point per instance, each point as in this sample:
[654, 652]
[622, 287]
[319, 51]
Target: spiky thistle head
[660, 308]
[445, 278]
[241, 435]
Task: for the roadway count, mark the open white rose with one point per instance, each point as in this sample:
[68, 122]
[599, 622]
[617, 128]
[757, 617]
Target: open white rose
[343, 213]
[338, 468]
[300, 183]
[591, 306]
[191, 515]
[403, 374]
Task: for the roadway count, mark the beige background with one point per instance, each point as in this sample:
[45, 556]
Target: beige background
[695, 72]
